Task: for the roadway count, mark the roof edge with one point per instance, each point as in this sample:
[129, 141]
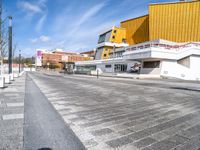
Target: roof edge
[134, 18]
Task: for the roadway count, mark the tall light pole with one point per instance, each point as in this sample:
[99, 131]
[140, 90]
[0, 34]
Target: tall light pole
[19, 61]
[10, 45]
[114, 58]
[1, 40]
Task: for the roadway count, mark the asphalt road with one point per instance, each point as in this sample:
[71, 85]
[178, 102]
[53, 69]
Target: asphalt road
[43, 126]
[109, 113]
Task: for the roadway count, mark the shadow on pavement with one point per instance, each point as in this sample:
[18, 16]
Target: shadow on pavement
[187, 89]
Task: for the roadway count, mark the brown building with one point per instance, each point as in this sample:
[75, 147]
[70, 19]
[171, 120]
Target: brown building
[89, 53]
[57, 59]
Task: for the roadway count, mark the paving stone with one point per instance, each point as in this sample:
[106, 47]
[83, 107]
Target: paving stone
[101, 132]
[193, 131]
[119, 142]
[138, 135]
[144, 142]
[169, 143]
[192, 144]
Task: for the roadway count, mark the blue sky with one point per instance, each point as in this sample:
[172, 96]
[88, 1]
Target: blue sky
[69, 24]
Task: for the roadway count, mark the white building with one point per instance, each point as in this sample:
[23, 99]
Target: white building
[159, 58]
[167, 59]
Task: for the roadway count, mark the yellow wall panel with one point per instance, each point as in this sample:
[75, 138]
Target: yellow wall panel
[137, 30]
[179, 22]
[117, 35]
[106, 52]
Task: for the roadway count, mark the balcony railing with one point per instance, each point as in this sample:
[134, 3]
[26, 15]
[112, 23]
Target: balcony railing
[163, 46]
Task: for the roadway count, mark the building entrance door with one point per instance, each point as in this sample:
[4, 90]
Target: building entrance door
[120, 67]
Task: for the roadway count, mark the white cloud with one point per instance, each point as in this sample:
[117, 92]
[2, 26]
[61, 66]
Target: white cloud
[41, 39]
[38, 7]
[90, 13]
[40, 23]
[31, 8]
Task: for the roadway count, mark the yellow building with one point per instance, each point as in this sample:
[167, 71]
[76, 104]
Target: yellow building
[137, 29]
[108, 39]
[177, 21]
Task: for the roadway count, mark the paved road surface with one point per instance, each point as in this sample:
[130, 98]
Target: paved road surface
[12, 114]
[108, 113]
[44, 128]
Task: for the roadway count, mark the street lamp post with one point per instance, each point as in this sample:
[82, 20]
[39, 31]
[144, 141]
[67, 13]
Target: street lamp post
[19, 61]
[113, 59]
[10, 46]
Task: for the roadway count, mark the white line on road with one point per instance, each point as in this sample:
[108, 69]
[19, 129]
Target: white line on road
[15, 104]
[13, 116]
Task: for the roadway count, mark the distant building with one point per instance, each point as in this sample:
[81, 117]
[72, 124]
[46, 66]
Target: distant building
[90, 53]
[58, 58]
[38, 57]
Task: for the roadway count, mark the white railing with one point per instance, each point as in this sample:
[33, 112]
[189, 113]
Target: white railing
[163, 46]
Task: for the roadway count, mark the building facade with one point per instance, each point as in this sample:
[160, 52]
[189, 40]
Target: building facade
[175, 21]
[167, 59]
[137, 29]
[58, 59]
[109, 40]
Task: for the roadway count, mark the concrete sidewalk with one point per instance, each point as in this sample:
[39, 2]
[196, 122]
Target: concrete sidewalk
[12, 114]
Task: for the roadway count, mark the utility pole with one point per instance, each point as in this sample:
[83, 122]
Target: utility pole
[10, 45]
[19, 61]
[1, 40]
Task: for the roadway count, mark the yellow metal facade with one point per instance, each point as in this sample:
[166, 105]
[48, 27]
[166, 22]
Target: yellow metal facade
[106, 52]
[137, 29]
[178, 22]
[118, 35]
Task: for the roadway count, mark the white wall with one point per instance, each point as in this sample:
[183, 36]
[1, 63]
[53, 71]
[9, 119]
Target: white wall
[154, 71]
[195, 65]
[170, 68]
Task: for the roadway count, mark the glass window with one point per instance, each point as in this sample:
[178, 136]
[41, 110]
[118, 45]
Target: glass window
[108, 66]
[102, 38]
[151, 64]
[113, 37]
[115, 31]
[104, 55]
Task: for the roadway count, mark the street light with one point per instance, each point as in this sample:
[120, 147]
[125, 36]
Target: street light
[19, 61]
[113, 59]
[10, 45]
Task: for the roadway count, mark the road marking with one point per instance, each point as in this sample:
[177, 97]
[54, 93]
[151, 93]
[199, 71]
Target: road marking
[15, 104]
[13, 116]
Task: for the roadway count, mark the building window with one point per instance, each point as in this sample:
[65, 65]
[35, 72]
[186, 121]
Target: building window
[184, 61]
[115, 31]
[120, 67]
[123, 40]
[104, 55]
[151, 64]
[113, 37]
[102, 38]
[107, 66]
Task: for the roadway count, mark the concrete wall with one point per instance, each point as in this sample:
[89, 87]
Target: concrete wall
[194, 65]
[154, 71]
[171, 68]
